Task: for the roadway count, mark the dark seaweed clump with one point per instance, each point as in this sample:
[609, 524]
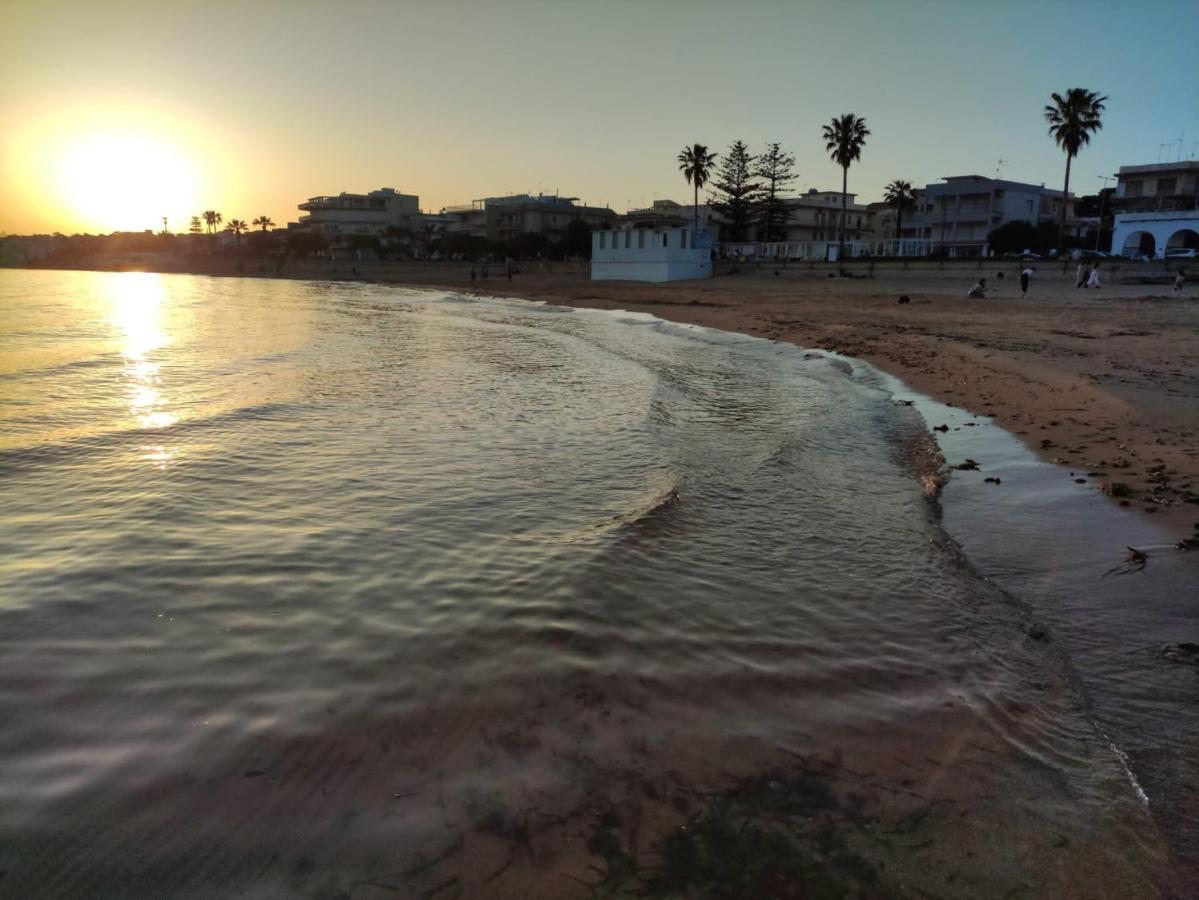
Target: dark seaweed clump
[772, 835]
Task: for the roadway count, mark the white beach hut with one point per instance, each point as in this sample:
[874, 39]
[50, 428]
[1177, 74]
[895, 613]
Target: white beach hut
[651, 254]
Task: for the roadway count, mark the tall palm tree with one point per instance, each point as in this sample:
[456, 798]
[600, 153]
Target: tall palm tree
[844, 138]
[265, 222]
[212, 218]
[695, 162]
[899, 194]
[1072, 120]
[238, 227]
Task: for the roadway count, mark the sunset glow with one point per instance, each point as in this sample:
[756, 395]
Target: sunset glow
[125, 181]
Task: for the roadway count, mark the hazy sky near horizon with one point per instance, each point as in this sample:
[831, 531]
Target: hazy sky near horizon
[117, 113]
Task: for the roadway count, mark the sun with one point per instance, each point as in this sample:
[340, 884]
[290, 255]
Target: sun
[126, 181]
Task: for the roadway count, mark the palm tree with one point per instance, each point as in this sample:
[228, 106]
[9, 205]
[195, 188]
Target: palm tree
[695, 162]
[212, 218]
[265, 222]
[899, 194]
[195, 227]
[238, 227]
[844, 138]
[1072, 119]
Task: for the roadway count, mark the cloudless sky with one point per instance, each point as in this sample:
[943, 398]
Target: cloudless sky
[266, 103]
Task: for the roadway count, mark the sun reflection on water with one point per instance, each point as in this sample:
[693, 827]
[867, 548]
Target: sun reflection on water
[137, 303]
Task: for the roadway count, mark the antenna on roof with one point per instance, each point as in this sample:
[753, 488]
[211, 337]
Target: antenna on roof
[999, 168]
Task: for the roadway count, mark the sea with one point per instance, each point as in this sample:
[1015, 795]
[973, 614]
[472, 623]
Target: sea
[345, 590]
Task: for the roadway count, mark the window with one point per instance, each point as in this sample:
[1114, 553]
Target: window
[1167, 186]
[627, 240]
[683, 234]
[640, 239]
[1134, 188]
[665, 238]
[603, 240]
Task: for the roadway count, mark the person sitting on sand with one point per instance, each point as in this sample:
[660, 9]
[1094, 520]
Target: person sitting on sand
[979, 291]
[1093, 280]
[1025, 278]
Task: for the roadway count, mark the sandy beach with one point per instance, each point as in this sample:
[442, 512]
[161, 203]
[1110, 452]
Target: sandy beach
[1104, 382]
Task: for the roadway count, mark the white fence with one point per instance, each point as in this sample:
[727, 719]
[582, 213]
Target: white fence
[819, 251]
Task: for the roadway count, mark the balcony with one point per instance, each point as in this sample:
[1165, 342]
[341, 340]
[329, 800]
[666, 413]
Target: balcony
[1165, 203]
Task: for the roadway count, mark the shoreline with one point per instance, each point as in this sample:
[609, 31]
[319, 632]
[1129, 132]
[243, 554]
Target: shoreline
[1127, 424]
[1103, 383]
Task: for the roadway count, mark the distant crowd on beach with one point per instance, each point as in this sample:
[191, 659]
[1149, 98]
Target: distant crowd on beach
[1086, 276]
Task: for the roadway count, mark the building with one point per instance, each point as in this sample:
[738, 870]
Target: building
[959, 213]
[816, 216]
[650, 254]
[668, 213]
[548, 214]
[360, 214]
[1157, 188]
[502, 219]
[1156, 208]
[912, 224]
[1155, 234]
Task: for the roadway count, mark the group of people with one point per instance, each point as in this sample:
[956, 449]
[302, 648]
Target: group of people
[979, 291]
[1087, 275]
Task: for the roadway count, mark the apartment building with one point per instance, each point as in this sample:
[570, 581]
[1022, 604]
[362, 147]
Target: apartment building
[958, 213]
[359, 214]
[816, 216]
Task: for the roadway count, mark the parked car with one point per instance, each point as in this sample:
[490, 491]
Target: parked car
[1136, 257]
[1094, 254]
[1182, 253]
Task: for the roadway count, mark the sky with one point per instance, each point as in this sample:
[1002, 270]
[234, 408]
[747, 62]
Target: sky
[115, 114]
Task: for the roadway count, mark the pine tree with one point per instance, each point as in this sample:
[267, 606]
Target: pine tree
[736, 191]
[776, 168]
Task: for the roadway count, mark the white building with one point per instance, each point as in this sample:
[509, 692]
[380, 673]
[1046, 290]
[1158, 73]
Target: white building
[959, 213]
[365, 214]
[1154, 234]
[644, 254]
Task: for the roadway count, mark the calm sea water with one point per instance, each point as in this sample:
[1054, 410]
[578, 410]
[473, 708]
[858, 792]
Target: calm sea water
[346, 591]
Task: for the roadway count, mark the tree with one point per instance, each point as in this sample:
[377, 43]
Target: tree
[212, 219]
[695, 162]
[306, 243]
[264, 222]
[196, 227]
[238, 227]
[844, 138]
[776, 168]
[576, 240]
[1019, 235]
[736, 191]
[1072, 120]
[899, 194]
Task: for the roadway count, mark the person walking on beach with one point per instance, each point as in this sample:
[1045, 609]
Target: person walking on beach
[1093, 280]
[979, 291]
[1179, 280]
[1080, 278]
[1025, 278]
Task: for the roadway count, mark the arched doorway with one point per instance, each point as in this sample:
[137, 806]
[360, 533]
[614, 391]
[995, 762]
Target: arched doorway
[1185, 238]
[1139, 242]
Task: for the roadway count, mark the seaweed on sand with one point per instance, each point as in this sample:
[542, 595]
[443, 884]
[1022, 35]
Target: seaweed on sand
[772, 835]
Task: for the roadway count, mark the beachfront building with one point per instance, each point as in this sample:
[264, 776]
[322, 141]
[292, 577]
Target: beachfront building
[359, 214]
[1156, 208]
[650, 254]
[960, 212]
[1154, 234]
[505, 218]
[816, 216]
[668, 214]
